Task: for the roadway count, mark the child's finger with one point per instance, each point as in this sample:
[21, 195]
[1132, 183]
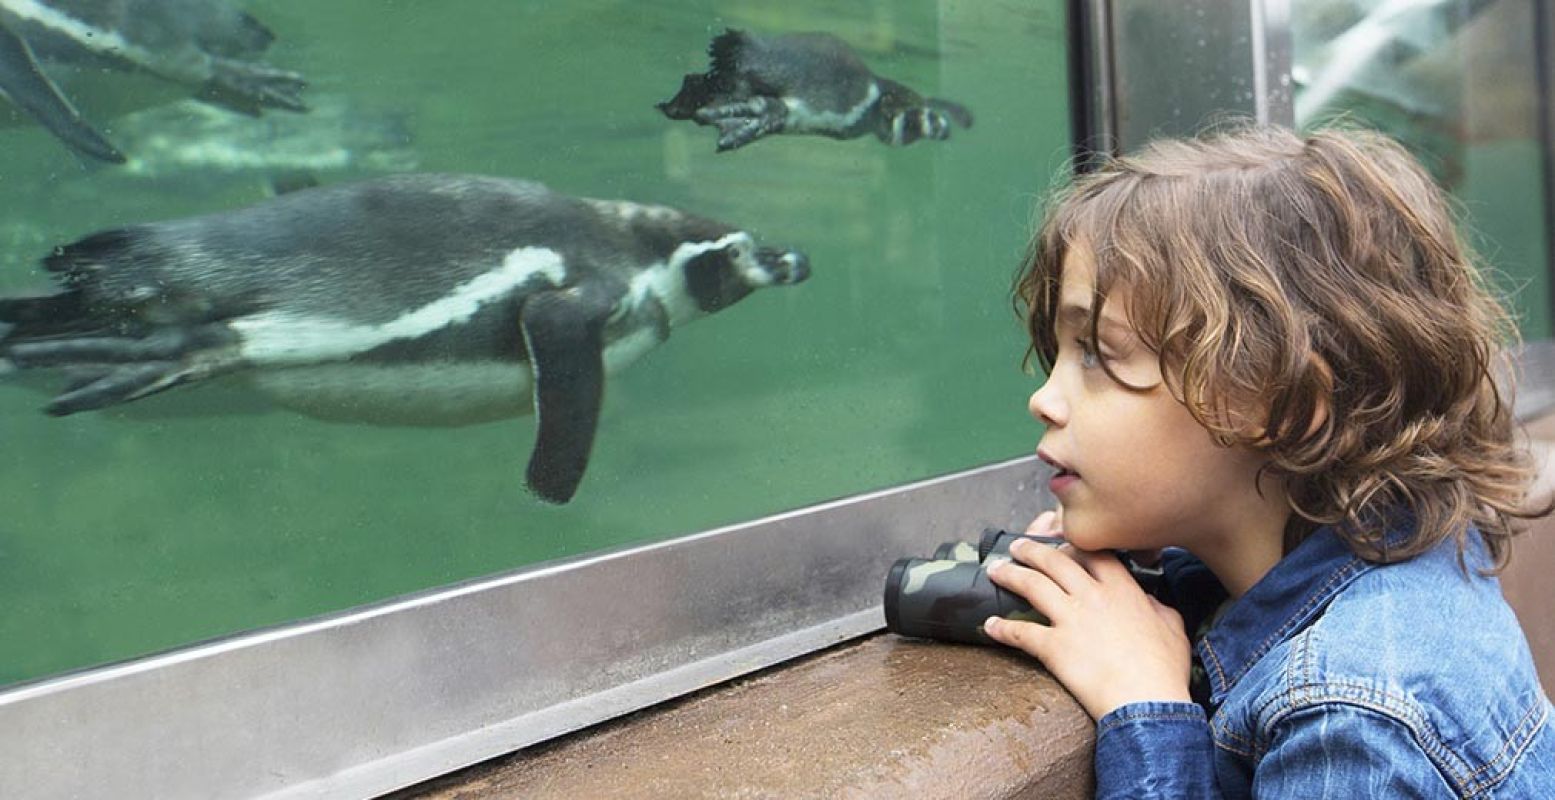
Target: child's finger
[1028, 636]
[1039, 590]
[1042, 525]
[1062, 568]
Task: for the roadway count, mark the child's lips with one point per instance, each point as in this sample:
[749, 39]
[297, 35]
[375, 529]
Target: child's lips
[1059, 467]
[1063, 477]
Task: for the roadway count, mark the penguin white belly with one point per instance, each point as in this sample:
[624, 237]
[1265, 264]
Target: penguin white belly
[427, 394]
[439, 394]
[804, 118]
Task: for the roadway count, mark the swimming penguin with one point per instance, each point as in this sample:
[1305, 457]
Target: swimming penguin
[205, 45]
[406, 300]
[804, 83]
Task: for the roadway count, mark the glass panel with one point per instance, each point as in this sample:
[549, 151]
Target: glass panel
[206, 510]
[1456, 81]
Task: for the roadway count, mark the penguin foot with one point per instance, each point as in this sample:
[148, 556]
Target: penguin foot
[742, 122]
[65, 351]
[751, 107]
[107, 370]
[117, 385]
[737, 132]
[249, 88]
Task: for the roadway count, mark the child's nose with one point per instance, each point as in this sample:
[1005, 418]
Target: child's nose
[1046, 406]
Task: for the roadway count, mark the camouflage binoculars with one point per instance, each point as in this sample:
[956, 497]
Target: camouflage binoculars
[947, 597]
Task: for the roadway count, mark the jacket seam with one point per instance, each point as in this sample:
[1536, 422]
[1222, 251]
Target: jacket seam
[1231, 749]
[1221, 729]
[1214, 662]
[1169, 716]
[1522, 735]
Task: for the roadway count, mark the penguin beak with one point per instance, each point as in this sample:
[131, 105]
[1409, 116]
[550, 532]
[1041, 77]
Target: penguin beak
[783, 266]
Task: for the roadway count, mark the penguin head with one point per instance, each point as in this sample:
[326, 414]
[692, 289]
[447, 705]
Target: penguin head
[715, 274]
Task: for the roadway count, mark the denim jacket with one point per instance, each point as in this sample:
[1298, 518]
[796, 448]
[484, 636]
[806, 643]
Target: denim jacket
[1336, 677]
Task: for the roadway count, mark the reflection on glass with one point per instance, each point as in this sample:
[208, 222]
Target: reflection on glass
[181, 500]
[1456, 81]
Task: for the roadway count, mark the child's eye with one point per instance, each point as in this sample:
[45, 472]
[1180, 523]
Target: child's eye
[1090, 358]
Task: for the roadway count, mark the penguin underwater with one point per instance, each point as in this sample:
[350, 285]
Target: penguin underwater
[804, 83]
[206, 45]
[406, 300]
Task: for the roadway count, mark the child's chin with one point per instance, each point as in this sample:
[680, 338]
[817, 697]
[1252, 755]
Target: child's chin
[1083, 539]
[1088, 538]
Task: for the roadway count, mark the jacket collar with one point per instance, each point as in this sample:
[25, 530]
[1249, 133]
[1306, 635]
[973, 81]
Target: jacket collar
[1281, 604]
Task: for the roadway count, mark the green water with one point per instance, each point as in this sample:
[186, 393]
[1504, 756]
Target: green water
[128, 533]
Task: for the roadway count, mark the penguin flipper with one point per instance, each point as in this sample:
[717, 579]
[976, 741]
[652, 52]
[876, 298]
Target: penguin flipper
[25, 85]
[564, 333]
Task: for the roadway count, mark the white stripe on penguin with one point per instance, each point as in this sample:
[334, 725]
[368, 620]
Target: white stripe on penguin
[279, 338]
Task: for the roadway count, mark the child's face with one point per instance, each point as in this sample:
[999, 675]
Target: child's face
[1137, 470]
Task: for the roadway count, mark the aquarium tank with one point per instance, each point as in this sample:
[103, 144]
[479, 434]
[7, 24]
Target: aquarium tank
[261, 368]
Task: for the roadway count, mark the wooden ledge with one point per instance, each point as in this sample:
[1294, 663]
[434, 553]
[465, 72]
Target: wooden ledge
[880, 717]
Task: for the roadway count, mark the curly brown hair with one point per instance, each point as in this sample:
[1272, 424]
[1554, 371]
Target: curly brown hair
[1308, 296]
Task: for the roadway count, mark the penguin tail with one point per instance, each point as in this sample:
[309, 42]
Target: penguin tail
[724, 52]
[695, 91]
[42, 316]
[88, 255]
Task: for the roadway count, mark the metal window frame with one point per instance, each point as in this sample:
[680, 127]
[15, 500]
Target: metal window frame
[1544, 59]
[1100, 99]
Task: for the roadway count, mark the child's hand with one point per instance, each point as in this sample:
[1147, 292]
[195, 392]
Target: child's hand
[1109, 643]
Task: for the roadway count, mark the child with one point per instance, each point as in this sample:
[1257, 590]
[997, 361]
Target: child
[1272, 351]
